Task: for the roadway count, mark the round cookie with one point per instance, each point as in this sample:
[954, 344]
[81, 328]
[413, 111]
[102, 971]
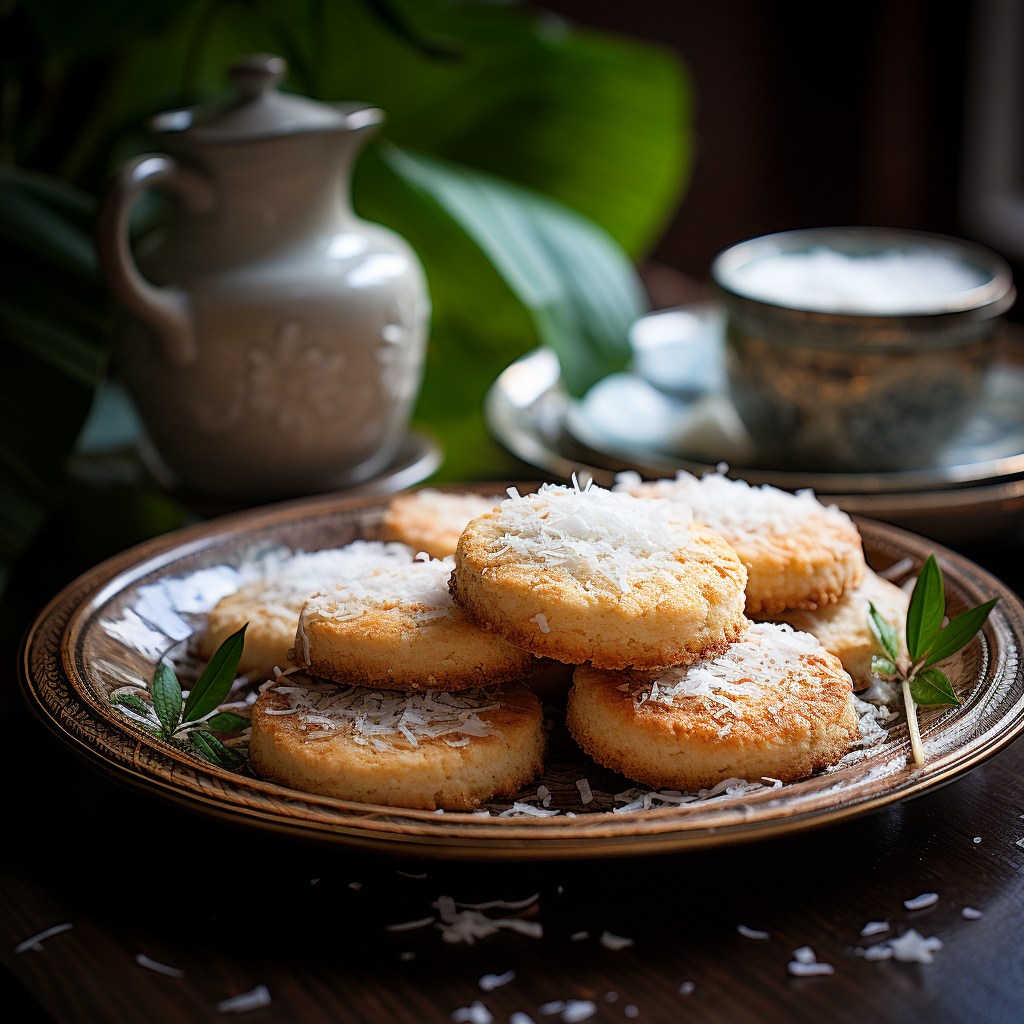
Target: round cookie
[427, 750]
[775, 705]
[843, 628]
[272, 603]
[797, 552]
[397, 626]
[432, 521]
[588, 575]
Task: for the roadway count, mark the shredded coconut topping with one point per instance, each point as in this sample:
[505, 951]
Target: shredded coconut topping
[739, 512]
[762, 659]
[602, 539]
[286, 585]
[419, 587]
[384, 719]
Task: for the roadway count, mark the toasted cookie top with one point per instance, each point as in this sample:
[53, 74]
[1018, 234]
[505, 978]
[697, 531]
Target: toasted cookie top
[432, 521]
[769, 681]
[603, 540]
[385, 719]
[287, 584]
[418, 587]
[739, 512]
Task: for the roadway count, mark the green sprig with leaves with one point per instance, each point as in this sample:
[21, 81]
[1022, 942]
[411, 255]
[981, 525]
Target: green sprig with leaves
[928, 642]
[195, 720]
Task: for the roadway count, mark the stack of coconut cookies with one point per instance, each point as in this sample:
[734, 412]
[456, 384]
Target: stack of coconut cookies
[413, 664]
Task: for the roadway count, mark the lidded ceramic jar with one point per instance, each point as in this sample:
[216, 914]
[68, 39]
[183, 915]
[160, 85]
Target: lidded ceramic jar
[272, 339]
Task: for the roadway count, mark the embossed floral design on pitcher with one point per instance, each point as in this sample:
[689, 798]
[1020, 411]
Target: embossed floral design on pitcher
[275, 345]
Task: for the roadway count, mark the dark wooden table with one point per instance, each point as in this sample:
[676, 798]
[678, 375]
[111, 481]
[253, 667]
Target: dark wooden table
[236, 909]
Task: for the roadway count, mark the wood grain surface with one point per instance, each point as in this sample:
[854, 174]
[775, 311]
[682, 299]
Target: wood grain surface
[235, 909]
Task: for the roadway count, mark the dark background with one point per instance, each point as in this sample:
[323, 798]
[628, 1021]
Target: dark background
[809, 114]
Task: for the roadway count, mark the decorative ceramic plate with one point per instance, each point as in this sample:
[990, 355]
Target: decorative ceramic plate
[112, 625]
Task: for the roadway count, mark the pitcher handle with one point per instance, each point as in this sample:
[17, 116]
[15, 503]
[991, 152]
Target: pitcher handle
[167, 310]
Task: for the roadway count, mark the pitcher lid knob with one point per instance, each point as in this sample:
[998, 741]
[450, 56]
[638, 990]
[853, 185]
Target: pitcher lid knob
[257, 73]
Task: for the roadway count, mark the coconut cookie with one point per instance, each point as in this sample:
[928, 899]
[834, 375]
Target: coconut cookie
[429, 750]
[843, 627]
[797, 552]
[271, 604]
[588, 575]
[432, 520]
[776, 705]
[396, 626]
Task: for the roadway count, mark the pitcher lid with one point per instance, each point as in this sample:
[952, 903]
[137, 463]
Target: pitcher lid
[259, 111]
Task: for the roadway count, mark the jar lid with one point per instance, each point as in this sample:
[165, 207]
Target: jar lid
[259, 111]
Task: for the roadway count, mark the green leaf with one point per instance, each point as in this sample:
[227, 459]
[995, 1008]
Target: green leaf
[134, 703]
[930, 686]
[211, 748]
[579, 286]
[166, 692]
[884, 633]
[227, 722]
[213, 685]
[927, 608]
[959, 632]
[882, 666]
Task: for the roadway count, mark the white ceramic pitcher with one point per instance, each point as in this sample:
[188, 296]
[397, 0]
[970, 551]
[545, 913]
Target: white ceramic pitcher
[273, 340]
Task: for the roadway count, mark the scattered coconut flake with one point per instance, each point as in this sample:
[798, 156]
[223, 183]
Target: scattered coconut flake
[489, 982]
[503, 904]
[313, 881]
[405, 957]
[577, 1010]
[874, 928]
[913, 947]
[897, 569]
[610, 941]
[977, 839]
[1020, 842]
[355, 885]
[439, 810]
[35, 942]
[471, 924]
[475, 1013]
[529, 810]
[560, 890]
[542, 622]
[408, 926]
[804, 955]
[926, 899]
[610, 997]
[807, 970]
[407, 874]
[631, 1011]
[586, 795]
[254, 999]
[880, 951]
[544, 795]
[549, 1009]
[687, 988]
[152, 965]
[579, 936]
[970, 913]
[518, 1017]
[752, 933]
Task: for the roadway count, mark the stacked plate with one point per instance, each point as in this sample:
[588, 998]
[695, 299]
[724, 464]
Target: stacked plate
[671, 411]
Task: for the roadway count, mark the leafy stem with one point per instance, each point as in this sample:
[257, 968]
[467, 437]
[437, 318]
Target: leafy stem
[928, 642]
[176, 719]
